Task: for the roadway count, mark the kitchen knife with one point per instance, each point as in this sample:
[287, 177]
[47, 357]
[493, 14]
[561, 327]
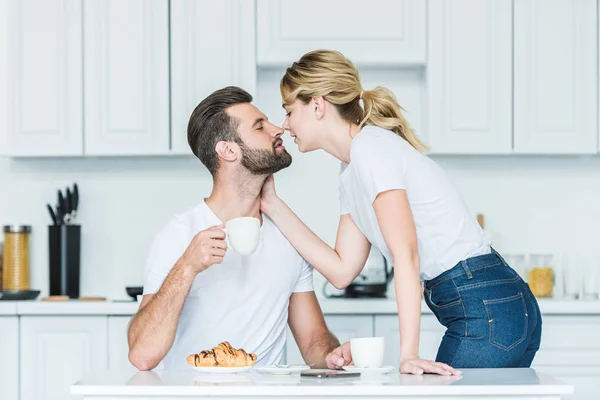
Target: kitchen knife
[69, 199]
[75, 201]
[52, 215]
[64, 207]
[59, 215]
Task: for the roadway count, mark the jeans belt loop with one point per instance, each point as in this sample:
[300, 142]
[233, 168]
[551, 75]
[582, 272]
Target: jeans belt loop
[466, 268]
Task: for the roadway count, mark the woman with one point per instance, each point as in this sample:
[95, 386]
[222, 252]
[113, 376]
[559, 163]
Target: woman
[399, 200]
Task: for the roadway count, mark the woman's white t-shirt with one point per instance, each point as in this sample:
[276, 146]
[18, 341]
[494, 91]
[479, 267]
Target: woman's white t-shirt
[381, 161]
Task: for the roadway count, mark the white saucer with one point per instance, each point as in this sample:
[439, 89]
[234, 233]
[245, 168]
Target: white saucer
[222, 370]
[281, 369]
[381, 370]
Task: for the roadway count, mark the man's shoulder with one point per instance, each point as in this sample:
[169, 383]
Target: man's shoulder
[279, 241]
[186, 223]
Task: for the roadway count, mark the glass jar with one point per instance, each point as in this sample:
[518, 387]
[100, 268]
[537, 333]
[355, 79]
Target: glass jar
[1, 262]
[517, 262]
[541, 275]
[16, 257]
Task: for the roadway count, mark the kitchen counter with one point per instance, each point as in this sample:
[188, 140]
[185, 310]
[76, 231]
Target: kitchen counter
[474, 384]
[329, 306]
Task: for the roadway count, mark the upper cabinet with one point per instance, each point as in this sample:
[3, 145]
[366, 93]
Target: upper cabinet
[556, 76]
[212, 46]
[469, 76]
[126, 69]
[375, 32]
[41, 78]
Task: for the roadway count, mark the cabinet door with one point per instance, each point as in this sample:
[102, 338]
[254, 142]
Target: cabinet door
[469, 76]
[212, 46]
[556, 76]
[118, 348]
[40, 78]
[344, 327]
[382, 32]
[431, 337]
[9, 349]
[126, 80]
[58, 351]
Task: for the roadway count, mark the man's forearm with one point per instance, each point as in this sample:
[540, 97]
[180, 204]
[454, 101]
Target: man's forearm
[152, 330]
[322, 344]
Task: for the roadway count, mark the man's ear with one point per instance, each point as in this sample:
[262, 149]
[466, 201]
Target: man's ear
[228, 151]
[318, 106]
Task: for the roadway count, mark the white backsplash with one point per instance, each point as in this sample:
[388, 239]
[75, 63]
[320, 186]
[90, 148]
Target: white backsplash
[533, 204]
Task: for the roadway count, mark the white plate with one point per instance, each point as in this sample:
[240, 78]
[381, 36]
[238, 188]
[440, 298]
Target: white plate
[221, 370]
[381, 370]
[281, 369]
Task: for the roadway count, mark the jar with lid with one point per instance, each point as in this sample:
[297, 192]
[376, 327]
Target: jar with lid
[16, 257]
[541, 275]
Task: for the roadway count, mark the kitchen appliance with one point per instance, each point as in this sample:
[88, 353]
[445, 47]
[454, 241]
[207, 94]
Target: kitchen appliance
[374, 278]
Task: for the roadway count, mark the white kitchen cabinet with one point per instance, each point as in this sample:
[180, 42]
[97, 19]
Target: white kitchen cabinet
[570, 351]
[556, 76]
[344, 327]
[126, 75]
[377, 32]
[9, 360]
[432, 332]
[57, 351]
[212, 46]
[469, 76]
[40, 78]
[118, 347]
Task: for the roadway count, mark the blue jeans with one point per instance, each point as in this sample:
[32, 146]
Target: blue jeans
[492, 318]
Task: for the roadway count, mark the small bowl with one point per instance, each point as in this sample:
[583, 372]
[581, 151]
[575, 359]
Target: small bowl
[134, 291]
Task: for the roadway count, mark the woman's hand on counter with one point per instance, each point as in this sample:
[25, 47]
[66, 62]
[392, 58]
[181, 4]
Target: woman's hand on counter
[417, 366]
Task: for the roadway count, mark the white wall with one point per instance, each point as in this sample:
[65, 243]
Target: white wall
[532, 204]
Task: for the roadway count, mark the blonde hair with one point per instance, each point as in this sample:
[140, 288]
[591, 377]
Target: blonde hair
[328, 74]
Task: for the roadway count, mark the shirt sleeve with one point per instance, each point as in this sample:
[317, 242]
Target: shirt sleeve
[343, 207]
[305, 280]
[168, 245]
[379, 167]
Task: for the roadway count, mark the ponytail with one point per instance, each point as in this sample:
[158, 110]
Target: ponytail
[382, 110]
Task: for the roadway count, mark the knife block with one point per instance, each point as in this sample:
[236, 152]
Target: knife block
[64, 250]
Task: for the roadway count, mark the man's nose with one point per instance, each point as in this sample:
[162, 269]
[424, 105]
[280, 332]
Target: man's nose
[278, 131]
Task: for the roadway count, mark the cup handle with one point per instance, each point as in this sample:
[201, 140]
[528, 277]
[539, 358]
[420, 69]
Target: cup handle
[226, 238]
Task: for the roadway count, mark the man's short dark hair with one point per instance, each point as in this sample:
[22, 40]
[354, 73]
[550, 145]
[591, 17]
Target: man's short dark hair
[209, 124]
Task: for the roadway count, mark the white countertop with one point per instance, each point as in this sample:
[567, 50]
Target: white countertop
[475, 382]
[329, 306]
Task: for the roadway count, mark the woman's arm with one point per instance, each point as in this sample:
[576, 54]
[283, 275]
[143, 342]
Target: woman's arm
[398, 229]
[341, 265]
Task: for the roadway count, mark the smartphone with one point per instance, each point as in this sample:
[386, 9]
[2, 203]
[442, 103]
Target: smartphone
[329, 374]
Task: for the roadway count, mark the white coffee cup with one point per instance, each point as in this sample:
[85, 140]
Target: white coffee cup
[243, 234]
[367, 352]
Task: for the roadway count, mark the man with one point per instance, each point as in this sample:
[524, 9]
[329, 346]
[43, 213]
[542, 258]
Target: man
[197, 293]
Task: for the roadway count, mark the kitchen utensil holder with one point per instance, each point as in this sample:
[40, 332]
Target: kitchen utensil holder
[64, 245]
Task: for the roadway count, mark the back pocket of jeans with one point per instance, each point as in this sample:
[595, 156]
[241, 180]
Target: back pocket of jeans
[508, 321]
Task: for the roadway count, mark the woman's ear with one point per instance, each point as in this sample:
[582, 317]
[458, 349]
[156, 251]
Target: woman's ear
[227, 151]
[318, 106]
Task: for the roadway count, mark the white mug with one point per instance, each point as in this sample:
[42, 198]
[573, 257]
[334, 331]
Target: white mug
[243, 234]
[367, 352]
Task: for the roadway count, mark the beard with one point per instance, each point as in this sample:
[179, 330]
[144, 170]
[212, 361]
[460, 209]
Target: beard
[263, 161]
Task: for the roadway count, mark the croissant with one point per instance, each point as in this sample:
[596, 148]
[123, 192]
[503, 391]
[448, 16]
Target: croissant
[223, 355]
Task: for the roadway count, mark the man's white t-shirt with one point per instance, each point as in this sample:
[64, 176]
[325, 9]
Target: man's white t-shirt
[243, 300]
[381, 161]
